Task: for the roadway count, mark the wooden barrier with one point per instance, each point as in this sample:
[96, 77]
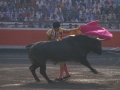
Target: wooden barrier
[23, 37]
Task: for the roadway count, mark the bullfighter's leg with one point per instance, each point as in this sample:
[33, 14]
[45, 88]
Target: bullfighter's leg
[66, 71]
[86, 63]
[32, 69]
[63, 67]
[60, 77]
[43, 72]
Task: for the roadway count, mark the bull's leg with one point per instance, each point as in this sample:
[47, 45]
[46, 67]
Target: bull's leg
[32, 69]
[43, 72]
[86, 63]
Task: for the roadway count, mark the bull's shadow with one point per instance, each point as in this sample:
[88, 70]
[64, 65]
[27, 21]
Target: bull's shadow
[65, 85]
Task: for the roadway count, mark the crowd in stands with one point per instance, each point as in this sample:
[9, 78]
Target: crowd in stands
[60, 10]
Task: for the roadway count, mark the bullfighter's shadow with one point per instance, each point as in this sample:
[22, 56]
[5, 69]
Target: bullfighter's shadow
[64, 85]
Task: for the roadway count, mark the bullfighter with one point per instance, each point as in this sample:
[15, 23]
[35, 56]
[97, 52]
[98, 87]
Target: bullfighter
[55, 34]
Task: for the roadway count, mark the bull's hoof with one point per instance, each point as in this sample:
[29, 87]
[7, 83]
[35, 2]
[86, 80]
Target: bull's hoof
[95, 71]
[51, 81]
[37, 80]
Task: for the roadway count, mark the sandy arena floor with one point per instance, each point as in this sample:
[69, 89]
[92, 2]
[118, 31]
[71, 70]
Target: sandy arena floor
[15, 74]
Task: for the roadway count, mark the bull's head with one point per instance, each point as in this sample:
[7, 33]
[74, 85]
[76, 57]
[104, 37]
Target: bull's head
[101, 39]
[97, 47]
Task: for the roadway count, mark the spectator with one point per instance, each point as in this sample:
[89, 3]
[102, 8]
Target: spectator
[74, 12]
[2, 13]
[8, 8]
[83, 18]
[28, 18]
[81, 11]
[30, 8]
[111, 19]
[28, 1]
[60, 17]
[74, 19]
[88, 9]
[70, 26]
[97, 16]
[96, 4]
[64, 11]
[1, 25]
[17, 13]
[118, 23]
[3, 8]
[16, 25]
[47, 18]
[106, 5]
[44, 10]
[57, 9]
[117, 11]
[3, 2]
[36, 9]
[52, 13]
[89, 19]
[88, 3]
[22, 9]
[23, 25]
[21, 2]
[49, 9]
[39, 3]
[110, 9]
[10, 14]
[81, 6]
[46, 3]
[26, 14]
[39, 14]
[103, 19]
[96, 9]
[75, 26]
[11, 3]
[40, 25]
[47, 25]
[42, 18]
[103, 15]
[20, 18]
[68, 6]
[111, 16]
[13, 18]
[31, 25]
[102, 2]
[67, 1]
[61, 4]
[35, 18]
[31, 14]
[117, 2]
[90, 15]
[5, 18]
[113, 5]
[67, 18]
[54, 18]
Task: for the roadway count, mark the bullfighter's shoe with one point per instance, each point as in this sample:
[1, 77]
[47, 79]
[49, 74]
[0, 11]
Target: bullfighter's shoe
[66, 77]
[58, 79]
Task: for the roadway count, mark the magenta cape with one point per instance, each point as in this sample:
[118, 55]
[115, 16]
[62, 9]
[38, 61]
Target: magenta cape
[92, 29]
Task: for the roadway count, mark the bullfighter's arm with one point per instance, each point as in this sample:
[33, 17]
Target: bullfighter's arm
[69, 30]
[48, 38]
[48, 33]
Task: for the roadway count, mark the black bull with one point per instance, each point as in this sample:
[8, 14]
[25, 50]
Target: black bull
[69, 48]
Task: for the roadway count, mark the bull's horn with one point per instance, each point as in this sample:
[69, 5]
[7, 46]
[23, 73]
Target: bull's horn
[101, 39]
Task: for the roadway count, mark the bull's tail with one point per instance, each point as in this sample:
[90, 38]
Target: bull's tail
[28, 46]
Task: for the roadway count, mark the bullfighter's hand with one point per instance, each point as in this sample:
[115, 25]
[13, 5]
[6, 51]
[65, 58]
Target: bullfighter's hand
[78, 28]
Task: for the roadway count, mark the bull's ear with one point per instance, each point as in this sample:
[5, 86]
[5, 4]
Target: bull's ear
[101, 39]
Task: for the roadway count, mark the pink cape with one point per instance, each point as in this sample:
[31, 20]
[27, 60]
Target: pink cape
[92, 29]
